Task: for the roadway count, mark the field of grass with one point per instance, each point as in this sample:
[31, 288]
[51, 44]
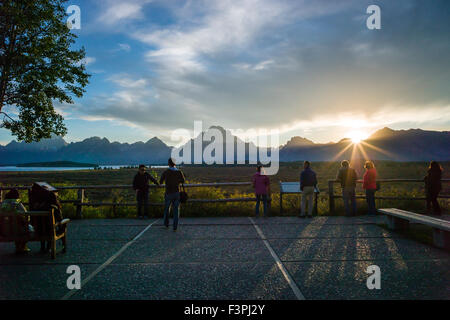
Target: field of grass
[197, 174]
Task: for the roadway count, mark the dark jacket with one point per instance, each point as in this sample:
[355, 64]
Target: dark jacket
[141, 181]
[43, 200]
[347, 177]
[172, 177]
[308, 178]
[433, 181]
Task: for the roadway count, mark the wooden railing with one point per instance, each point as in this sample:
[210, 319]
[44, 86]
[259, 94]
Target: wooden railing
[80, 202]
[332, 195]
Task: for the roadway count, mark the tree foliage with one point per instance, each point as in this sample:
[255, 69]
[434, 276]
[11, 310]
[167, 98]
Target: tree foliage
[38, 66]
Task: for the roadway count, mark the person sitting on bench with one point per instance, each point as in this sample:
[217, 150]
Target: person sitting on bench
[44, 197]
[12, 203]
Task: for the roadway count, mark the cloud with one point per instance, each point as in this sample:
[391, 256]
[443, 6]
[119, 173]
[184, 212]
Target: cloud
[292, 65]
[88, 60]
[124, 81]
[255, 67]
[121, 10]
[124, 47]
[222, 27]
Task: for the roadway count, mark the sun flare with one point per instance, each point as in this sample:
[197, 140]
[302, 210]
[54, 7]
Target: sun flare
[357, 136]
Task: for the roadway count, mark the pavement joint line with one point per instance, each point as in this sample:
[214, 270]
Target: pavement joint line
[280, 265]
[107, 262]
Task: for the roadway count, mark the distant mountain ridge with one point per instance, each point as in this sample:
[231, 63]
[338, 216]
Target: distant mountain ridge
[384, 144]
[91, 150]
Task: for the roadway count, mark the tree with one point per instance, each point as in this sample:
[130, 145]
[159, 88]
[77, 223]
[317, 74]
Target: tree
[37, 67]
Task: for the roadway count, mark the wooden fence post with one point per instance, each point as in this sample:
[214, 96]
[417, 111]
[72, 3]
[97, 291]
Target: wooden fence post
[114, 206]
[281, 202]
[80, 200]
[331, 195]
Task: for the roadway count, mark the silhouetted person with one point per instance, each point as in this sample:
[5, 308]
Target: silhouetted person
[44, 197]
[433, 186]
[347, 177]
[308, 182]
[261, 184]
[172, 177]
[12, 203]
[370, 185]
[141, 186]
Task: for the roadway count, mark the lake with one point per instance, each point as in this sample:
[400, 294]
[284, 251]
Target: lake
[18, 169]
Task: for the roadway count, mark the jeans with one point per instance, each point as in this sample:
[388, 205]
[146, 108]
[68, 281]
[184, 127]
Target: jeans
[348, 194]
[171, 199]
[370, 198]
[264, 200]
[142, 201]
[307, 197]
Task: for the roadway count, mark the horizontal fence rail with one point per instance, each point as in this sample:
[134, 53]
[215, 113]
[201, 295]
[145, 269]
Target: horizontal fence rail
[80, 202]
[332, 195]
[129, 186]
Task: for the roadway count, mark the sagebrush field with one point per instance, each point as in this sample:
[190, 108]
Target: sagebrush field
[197, 174]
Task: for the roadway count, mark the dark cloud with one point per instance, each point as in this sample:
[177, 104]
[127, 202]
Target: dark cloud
[301, 61]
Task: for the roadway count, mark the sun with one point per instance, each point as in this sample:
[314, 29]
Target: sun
[357, 136]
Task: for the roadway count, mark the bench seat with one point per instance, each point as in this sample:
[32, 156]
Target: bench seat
[400, 219]
[58, 230]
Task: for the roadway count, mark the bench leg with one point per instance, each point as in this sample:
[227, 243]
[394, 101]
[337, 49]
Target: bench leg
[43, 246]
[397, 224]
[441, 239]
[53, 249]
[64, 242]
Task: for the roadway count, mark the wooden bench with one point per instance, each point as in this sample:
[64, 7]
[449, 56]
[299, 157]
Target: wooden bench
[58, 230]
[400, 219]
[294, 188]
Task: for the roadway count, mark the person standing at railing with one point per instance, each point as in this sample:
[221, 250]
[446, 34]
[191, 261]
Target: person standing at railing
[347, 177]
[141, 186]
[370, 185]
[261, 184]
[433, 186]
[172, 177]
[308, 182]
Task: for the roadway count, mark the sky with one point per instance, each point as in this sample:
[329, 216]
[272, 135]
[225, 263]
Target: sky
[305, 68]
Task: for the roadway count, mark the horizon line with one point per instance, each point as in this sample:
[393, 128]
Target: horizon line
[4, 144]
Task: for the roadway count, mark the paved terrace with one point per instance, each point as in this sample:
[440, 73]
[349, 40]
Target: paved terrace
[230, 258]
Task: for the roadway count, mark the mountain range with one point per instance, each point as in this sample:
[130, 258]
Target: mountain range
[384, 144]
